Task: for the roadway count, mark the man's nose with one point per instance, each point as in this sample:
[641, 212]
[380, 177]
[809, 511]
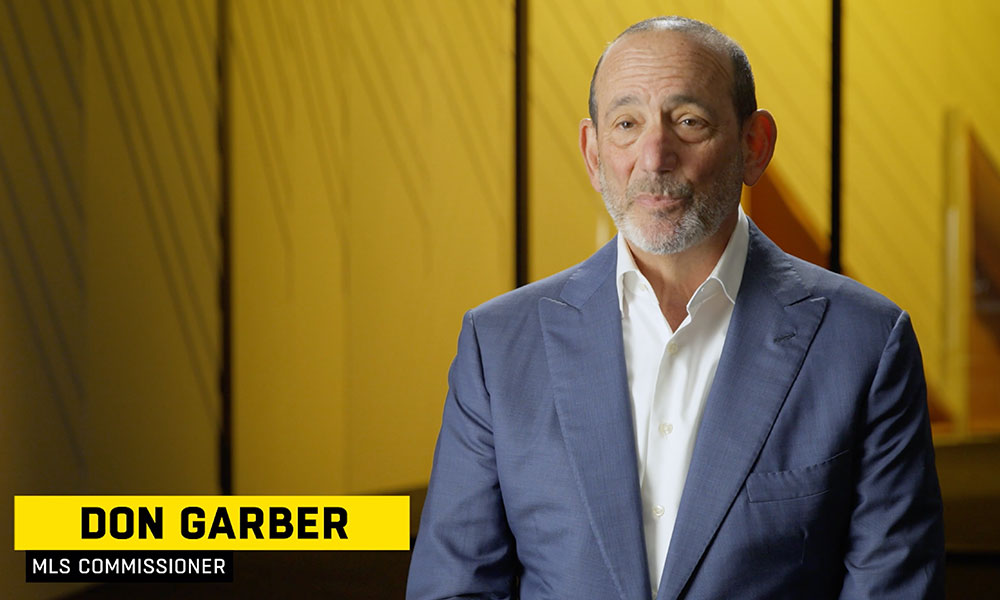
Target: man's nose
[658, 148]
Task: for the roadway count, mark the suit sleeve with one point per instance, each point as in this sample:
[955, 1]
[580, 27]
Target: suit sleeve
[896, 539]
[464, 547]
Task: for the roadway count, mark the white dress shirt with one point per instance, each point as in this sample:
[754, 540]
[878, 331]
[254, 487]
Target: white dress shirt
[670, 374]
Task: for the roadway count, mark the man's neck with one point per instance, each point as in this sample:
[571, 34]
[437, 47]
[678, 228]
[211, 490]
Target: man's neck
[676, 277]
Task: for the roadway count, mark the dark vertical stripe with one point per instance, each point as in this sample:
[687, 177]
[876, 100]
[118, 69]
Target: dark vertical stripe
[44, 176]
[36, 257]
[262, 120]
[270, 168]
[49, 298]
[256, 77]
[68, 71]
[173, 129]
[145, 195]
[192, 38]
[278, 58]
[43, 105]
[184, 100]
[73, 21]
[157, 168]
[225, 238]
[836, 47]
[16, 282]
[520, 143]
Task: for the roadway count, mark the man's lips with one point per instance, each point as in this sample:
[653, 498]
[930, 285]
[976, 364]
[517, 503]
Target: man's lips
[659, 200]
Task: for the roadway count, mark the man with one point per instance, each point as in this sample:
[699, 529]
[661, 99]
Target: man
[690, 411]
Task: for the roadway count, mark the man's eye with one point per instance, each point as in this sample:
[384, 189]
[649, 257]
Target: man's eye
[692, 122]
[626, 124]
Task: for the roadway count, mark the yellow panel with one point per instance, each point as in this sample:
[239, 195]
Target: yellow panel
[109, 253]
[41, 279]
[429, 128]
[152, 253]
[289, 248]
[566, 218]
[373, 201]
[41, 271]
[893, 204]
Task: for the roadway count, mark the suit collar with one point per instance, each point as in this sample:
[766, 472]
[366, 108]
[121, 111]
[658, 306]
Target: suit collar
[764, 259]
[589, 275]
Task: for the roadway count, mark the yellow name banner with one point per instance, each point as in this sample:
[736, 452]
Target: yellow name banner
[211, 523]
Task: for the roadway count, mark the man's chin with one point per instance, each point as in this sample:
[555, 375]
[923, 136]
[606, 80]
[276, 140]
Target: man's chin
[658, 242]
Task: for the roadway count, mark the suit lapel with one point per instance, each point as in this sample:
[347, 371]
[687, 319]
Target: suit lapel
[583, 347]
[773, 324]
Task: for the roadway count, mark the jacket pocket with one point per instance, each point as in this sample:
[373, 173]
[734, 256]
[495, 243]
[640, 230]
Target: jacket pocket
[799, 482]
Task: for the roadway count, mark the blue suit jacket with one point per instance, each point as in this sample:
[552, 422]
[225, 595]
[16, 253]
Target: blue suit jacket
[812, 474]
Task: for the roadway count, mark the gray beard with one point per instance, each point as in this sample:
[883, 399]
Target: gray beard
[701, 217]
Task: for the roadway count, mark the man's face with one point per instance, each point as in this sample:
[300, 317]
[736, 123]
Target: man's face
[669, 147]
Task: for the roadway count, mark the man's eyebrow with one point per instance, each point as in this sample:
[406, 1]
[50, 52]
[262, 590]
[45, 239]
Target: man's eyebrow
[685, 99]
[621, 101]
[675, 100]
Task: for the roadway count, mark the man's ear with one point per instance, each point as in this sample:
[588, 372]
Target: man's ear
[759, 136]
[588, 146]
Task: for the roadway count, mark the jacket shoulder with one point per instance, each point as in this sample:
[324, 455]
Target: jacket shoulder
[573, 285]
[524, 297]
[856, 310]
[841, 289]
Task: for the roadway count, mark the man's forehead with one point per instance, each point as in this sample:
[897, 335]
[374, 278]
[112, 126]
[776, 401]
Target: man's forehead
[662, 44]
[629, 55]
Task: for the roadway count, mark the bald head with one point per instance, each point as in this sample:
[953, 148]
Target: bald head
[742, 87]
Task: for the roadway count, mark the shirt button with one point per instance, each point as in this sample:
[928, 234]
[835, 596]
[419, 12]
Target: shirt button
[666, 428]
[672, 347]
[657, 511]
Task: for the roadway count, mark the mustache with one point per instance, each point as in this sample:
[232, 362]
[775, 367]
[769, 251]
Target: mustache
[661, 185]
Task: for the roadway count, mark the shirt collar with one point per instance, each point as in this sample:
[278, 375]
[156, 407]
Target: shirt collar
[728, 271]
